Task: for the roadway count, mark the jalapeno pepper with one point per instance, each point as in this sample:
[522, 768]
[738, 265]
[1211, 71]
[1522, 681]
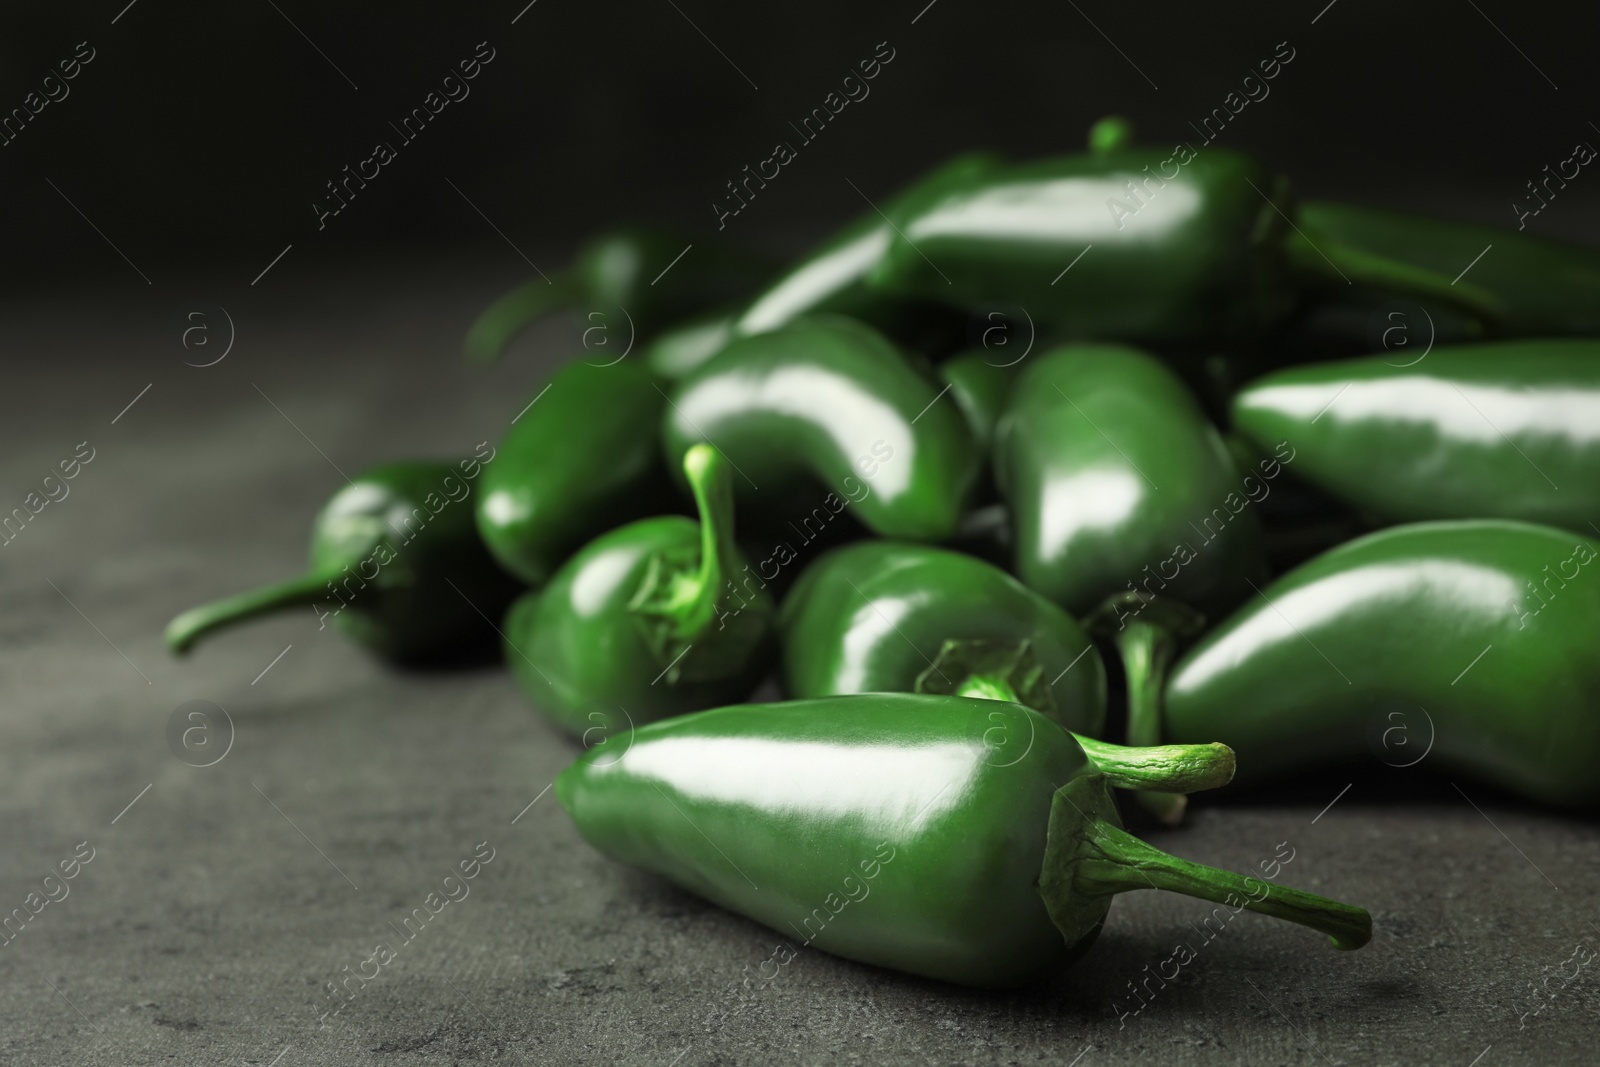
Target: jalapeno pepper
[633, 274]
[1467, 643]
[829, 406]
[971, 841]
[1117, 481]
[1176, 246]
[1546, 288]
[647, 620]
[396, 565]
[980, 388]
[679, 349]
[583, 456]
[1509, 430]
[885, 617]
[831, 279]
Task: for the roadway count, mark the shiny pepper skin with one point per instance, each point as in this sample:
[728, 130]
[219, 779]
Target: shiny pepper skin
[962, 839]
[1468, 644]
[1508, 430]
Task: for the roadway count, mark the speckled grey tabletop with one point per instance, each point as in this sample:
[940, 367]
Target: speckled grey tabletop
[219, 902]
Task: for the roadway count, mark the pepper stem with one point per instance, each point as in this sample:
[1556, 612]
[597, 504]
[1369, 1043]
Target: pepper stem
[678, 599]
[1163, 768]
[183, 631]
[1089, 859]
[692, 601]
[1115, 861]
[1147, 636]
[1329, 261]
[514, 312]
[994, 670]
[1166, 769]
[987, 687]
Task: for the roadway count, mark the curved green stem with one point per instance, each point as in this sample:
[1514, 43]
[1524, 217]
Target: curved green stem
[1327, 260]
[514, 312]
[183, 631]
[1147, 636]
[1114, 861]
[695, 596]
[679, 598]
[987, 687]
[994, 670]
[1089, 858]
[1163, 768]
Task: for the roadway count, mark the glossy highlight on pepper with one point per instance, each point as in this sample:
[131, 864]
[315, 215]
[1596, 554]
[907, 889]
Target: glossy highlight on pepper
[881, 616]
[829, 404]
[1471, 640]
[1177, 247]
[1508, 430]
[1116, 481]
[967, 840]
[583, 456]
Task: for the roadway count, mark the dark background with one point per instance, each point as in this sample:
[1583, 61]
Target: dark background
[200, 134]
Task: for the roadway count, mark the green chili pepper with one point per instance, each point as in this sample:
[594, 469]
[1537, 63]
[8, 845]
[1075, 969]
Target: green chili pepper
[966, 840]
[1178, 246]
[1547, 288]
[831, 401]
[634, 272]
[1469, 644]
[1509, 430]
[397, 552]
[680, 349]
[980, 389]
[1117, 481]
[583, 456]
[882, 617]
[647, 619]
[831, 278]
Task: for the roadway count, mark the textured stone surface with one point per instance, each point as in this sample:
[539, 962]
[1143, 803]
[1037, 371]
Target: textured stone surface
[219, 905]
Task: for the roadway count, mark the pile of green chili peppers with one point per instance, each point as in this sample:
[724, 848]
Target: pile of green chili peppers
[1046, 480]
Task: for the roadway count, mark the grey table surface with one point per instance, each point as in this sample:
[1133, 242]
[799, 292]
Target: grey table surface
[221, 901]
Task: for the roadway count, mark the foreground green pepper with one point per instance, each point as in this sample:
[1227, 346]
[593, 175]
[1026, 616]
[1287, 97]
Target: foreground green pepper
[1117, 481]
[583, 456]
[396, 565]
[1469, 644]
[880, 617]
[829, 406]
[1547, 288]
[1180, 246]
[966, 840]
[646, 620]
[1508, 430]
[629, 272]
